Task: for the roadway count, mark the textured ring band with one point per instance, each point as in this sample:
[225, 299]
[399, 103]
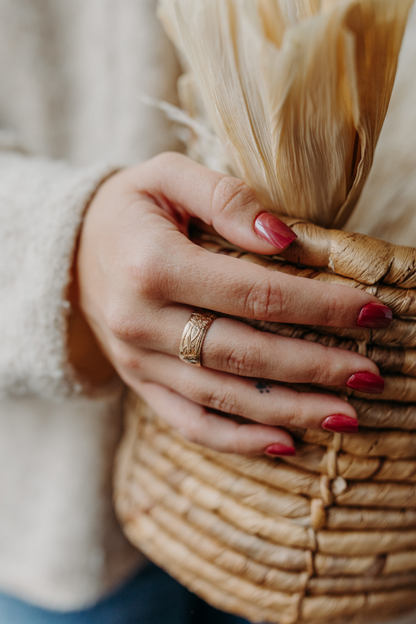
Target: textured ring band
[193, 337]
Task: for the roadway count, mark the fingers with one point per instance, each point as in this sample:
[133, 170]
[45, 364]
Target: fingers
[196, 277]
[236, 348]
[230, 286]
[201, 426]
[262, 402]
[219, 200]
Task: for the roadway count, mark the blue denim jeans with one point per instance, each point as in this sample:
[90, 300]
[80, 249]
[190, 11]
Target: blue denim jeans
[151, 597]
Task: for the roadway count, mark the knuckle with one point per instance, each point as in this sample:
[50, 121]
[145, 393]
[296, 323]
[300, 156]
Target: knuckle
[120, 325]
[236, 445]
[243, 362]
[195, 430]
[125, 358]
[333, 310]
[126, 328]
[319, 371]
[147, 275]
[230, 194]
[191, 433]
[264, 300]
[324, 366]
[222, 399]
[298, 416]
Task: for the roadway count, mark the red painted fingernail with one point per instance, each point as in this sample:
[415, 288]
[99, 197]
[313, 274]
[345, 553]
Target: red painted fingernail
[339, 423]
[274, 231]
[375, 315]
[280, 449]
[366, 382]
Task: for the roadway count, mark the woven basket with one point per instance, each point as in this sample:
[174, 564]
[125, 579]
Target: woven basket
[328, 536]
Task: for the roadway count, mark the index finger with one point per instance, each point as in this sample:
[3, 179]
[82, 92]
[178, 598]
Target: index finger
[230, 286]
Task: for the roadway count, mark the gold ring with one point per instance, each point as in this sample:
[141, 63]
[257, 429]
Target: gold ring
[193, 337]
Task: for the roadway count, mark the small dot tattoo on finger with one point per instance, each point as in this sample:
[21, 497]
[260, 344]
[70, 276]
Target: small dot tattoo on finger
[263, 387]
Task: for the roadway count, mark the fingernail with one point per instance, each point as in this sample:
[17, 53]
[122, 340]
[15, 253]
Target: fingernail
[280, 449]
[339, 423]
[375, 315]
[274, 231]
[366, 382]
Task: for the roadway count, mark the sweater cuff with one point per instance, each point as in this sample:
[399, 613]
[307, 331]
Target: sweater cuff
[42, 204]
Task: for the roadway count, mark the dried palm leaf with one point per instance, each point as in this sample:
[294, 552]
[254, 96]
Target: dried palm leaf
[296, 90]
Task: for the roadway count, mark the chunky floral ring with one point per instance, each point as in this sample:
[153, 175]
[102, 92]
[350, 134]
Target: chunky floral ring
[193, 337]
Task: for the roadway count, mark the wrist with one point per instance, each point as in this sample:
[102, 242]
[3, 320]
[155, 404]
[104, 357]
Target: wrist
[85, 355]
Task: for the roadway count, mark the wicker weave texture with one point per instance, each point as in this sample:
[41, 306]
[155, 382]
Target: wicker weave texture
[327, 536]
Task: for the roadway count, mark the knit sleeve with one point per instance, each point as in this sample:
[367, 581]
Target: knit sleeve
[42, 203]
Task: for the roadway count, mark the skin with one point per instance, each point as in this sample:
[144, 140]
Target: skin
[138, 279]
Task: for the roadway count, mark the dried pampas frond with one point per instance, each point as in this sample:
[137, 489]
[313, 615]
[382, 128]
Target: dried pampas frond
[296, 90]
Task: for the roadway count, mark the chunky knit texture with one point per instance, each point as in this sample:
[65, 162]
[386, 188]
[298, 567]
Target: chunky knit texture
[42, 204]
[72, 75]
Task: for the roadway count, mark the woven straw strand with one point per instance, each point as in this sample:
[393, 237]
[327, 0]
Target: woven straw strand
[357, 256]
[168, 527]
[326, 536]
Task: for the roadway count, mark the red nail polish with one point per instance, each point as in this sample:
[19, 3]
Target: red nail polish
[339, 423]
[366, 382]
[375, 315]
[280, 449]
[274, 231]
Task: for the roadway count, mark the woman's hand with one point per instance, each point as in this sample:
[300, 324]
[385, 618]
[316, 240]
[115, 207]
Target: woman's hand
[140, 278]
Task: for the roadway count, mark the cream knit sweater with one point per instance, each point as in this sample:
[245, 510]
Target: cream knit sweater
[72, 73]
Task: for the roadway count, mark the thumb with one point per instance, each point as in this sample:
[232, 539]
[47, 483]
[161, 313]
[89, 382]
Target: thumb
[224, 202]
